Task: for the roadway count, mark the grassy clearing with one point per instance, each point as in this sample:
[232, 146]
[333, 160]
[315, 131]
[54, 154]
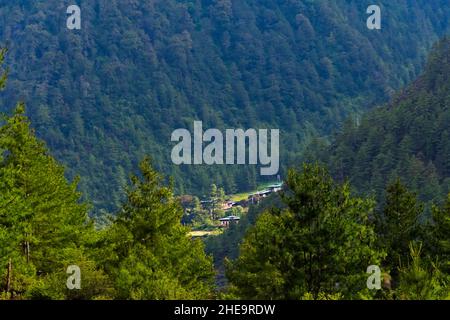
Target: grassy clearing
[199, 233]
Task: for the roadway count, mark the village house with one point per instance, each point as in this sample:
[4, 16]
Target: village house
[258, 196]
[227, 221]
[228, 205]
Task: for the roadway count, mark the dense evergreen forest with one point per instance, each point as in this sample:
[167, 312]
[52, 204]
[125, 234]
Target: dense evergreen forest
[317, 245]
[372, 194]
[397, 155]
[408, 138]
[104, 96]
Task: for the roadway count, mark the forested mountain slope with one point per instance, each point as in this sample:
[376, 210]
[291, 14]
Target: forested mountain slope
[105, 95]
[408, 138]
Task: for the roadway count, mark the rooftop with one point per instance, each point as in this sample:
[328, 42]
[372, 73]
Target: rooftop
[230, 218]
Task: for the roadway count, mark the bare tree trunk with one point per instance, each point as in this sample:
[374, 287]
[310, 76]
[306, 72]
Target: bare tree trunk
[8, 276]
[28, 251]
[26, 247]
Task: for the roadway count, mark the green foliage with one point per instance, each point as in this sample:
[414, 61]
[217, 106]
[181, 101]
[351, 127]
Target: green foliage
[44, 228]
[422, 281]
[104, 97]
[144, 253]
[147, 250]
[438, 235]
[316, 244]
[216, 199]
[398, 225]
[194, 213]
[407, 138]
[321, 244]
[226, 245]
[43, 224]
[101, 104]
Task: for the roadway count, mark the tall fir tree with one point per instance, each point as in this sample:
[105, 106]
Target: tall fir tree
[398, 225]
[320, 246]
[44, 226]
[438, 235]
[420, 279]
[147, 250]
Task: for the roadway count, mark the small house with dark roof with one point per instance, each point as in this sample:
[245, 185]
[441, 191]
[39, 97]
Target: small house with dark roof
[227, 221]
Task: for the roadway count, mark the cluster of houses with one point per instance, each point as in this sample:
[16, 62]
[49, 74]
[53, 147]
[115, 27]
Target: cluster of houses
[258, 196]
[253, 198]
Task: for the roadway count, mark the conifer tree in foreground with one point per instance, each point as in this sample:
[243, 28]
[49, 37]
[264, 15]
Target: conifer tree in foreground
[319, 247]
[44, 227]
[438, 236]
[147, 250]
[420, 279]
[398, 225]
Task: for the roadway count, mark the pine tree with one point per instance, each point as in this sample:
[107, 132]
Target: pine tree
[438, 237]
[421, 280]
[320, 245]
[147, 250]
[398, 225]
[44, 227]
